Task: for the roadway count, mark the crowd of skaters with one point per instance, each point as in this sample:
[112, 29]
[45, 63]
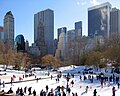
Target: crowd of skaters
[100, 77]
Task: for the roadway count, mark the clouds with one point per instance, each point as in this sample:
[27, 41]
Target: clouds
[94, 2]
[81, 3]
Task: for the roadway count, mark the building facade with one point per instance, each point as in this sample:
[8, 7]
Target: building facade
[26, 45]
[115, 20]
[60, 30]
[78, 28]
[44, 31]
[62, 43]
[99, 20]
[9, 29]
[34, 50]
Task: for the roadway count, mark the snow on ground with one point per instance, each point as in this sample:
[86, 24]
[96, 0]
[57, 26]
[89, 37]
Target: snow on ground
[79, 85]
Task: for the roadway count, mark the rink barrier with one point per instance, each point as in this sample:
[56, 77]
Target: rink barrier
[29, 80]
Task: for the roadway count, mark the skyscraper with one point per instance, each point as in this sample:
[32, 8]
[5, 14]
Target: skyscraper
[9, 29]
[44, 30]
[20, 43]
[78, 28]
[115, 20]
[62, 43]
[99, 20]
[60, 30]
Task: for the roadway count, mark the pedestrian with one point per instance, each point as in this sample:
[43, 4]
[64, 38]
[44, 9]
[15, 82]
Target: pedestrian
[47, 88]
[68, 90]
[41, 92]
[72, 82]
[118, 85]
[3, 84]
[34, 93]
[62, 88]
[21, 92]
[113, 91]
[37, 80]
[76, 94]
[86, 89]
[51, 77]
[25, 89]
[29, 90]
[11, 81]
[73, 94]
[95, 93]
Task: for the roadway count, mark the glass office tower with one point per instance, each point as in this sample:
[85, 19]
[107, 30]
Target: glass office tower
[99, 20]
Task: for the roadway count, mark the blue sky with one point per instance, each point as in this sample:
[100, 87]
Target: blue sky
[66, 13]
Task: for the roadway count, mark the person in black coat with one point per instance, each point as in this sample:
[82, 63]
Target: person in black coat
[34, 93]
[47, 88]
[95, 93]
[113, 91]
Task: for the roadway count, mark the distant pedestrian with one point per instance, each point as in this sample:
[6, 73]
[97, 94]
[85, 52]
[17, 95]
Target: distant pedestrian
[51, 77]
[73, 94]
[68, 90]
[41, 92]
[29, 90]
[95, 93]
[47, 88]
[3, 84]
[72, 82]
[25, 89]
[37, 80]
[86, 89]
[113, 91]
[76, 94]
[21, 92]
[118, 85]
[34, 93]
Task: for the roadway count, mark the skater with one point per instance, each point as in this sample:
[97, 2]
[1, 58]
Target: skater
[72, 82]
[34, 93]
[95, 93]
[21, 92]
[47, 88]
[76, 94]
[25, 89]
[86, 89]
[3, 84]
[51, 77]
[11, 81]
[37, 80]
[118, 85]
[113, 91]
[68, 91]
[29, 90]
[41, 92]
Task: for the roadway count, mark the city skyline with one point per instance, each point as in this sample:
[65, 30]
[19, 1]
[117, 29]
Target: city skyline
[66, 13]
